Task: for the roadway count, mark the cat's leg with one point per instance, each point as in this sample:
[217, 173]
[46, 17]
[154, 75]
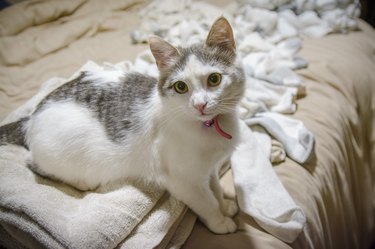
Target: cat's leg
[198, 196]
[228, 207]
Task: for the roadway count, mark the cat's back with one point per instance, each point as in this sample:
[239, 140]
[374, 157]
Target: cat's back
[114, 98]
[93, 129]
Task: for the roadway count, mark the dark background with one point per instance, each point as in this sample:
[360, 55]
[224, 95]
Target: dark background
[368, 11]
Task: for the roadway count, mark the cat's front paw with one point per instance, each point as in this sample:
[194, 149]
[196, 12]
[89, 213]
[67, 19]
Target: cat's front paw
[222, 226]
[230, 207]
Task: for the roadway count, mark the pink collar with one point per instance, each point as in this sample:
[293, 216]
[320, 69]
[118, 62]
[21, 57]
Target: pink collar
[215, 123]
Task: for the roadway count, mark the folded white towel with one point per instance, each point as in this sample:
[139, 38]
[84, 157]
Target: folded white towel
[53, 215]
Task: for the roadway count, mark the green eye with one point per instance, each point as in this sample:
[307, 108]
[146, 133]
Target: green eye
[180, 87]
[214, 79]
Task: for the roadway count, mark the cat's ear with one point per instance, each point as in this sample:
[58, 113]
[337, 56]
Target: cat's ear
[221, 35]
[164, 53]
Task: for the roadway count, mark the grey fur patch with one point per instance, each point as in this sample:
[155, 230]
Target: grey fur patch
[115, 106]
[13, 133]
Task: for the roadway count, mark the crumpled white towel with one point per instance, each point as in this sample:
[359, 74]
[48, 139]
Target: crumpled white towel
[268, 97]
[296, 139]
[259, 191]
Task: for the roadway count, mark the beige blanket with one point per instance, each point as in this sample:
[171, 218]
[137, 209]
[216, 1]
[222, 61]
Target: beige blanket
[44, 39]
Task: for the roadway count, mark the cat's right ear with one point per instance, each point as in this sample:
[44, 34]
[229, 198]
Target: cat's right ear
[221, 35]
[164, 53]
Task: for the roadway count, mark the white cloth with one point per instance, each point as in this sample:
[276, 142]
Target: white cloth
[259, 191]
[268, 97]
[296, 139]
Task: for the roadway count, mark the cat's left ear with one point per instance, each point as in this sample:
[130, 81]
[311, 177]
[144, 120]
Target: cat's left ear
[221, 35]
[164, 53]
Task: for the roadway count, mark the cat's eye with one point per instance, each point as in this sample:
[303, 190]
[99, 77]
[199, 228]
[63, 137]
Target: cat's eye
[214, 79]
[180, 87]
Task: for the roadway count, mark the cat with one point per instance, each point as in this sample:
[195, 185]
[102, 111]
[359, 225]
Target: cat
[176, 131]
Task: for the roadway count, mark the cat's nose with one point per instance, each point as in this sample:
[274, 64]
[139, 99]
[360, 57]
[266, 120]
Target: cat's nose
[200, 107]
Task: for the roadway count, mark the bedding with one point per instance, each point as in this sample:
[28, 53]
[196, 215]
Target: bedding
[335, 188]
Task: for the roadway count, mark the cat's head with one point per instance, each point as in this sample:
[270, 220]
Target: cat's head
[203, 80]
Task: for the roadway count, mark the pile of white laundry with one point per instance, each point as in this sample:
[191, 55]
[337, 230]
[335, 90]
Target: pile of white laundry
[268, 35]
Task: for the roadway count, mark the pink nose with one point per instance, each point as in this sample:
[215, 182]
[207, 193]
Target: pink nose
[200, 107]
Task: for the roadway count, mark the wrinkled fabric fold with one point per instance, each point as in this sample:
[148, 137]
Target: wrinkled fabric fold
[260, 192]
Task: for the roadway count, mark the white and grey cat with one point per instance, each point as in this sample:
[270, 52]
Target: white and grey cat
[177, 130]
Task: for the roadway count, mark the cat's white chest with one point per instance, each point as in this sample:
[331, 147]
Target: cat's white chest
[188, 148]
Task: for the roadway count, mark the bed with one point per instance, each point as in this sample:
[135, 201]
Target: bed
[42, 40]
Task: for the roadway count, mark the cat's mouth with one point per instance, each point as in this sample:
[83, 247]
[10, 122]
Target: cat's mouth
[212, 120]
[215, 123]
[206, 117]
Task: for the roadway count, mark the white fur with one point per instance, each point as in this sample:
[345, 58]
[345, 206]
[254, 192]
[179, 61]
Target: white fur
[68, 143]
[191, 155]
